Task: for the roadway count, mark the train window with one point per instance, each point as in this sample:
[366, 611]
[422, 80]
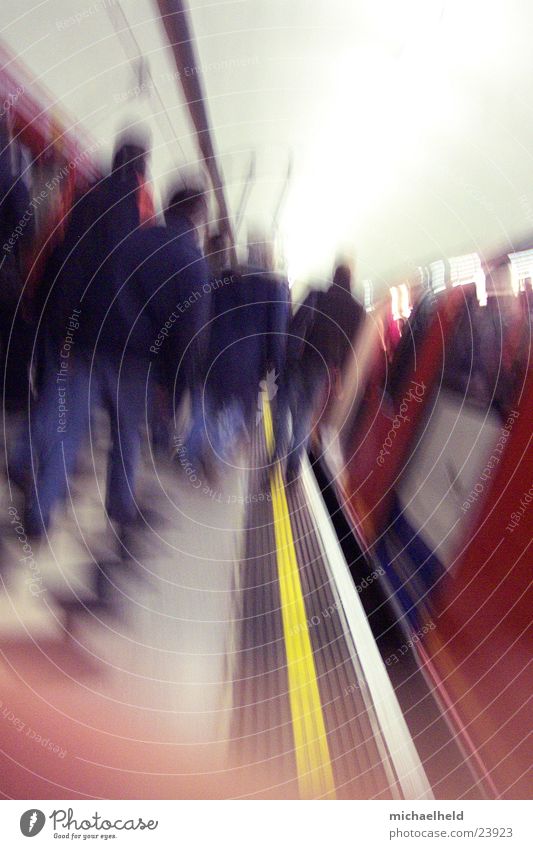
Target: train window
[468, 269]
[404, 305]
[437, 276]
[445, 470]
[368, 295]
[424, 277]
[521, 270]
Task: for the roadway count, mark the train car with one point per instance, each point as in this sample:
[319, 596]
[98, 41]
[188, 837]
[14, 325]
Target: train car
[431, 461]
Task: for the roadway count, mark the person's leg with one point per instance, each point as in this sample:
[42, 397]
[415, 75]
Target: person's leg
[125, 397]
[302, 414]
[159, 418]
[283, 411]
[62, 417]
[28, 444]
[40, 422]
[198, 436]
[231, 429]
[305, 394]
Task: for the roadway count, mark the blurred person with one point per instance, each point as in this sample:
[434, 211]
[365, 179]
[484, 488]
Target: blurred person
[249, 320]
[16, 234]
[503, 337]
[102, 219]
[217, 253]
[116, 348]
[402, 358]
[320, 339]
[78, 280]
[260, 251]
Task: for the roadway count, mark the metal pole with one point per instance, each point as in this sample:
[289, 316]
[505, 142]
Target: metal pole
[247, 188]
[283, 195]
[175, 18]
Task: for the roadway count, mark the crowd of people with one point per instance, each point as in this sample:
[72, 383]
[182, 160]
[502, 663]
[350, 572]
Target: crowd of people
[143, 315]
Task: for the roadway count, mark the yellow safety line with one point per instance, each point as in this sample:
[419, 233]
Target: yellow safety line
[313, 762]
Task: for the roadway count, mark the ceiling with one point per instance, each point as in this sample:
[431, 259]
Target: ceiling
[409, 125]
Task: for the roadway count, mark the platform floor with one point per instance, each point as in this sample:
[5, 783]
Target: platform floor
[227, 664]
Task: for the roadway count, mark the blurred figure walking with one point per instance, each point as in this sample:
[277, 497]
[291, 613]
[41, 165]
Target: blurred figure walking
[320, 339]
[114, 335]
[250, 314]
[78, 285]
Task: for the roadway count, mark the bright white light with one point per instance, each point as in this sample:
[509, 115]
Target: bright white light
[468, 269]
[515, 279]
[365, 143]
[481, 288]
[368, 294]
[395, 303]
[404, 305]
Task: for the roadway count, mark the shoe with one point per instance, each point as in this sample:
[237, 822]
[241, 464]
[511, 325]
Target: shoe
[34, 527]
[21, 480]
[292, 472]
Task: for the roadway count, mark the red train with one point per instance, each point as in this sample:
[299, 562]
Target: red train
[431, 457]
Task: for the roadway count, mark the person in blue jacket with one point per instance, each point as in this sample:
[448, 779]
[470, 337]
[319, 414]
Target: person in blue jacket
[144, 319]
